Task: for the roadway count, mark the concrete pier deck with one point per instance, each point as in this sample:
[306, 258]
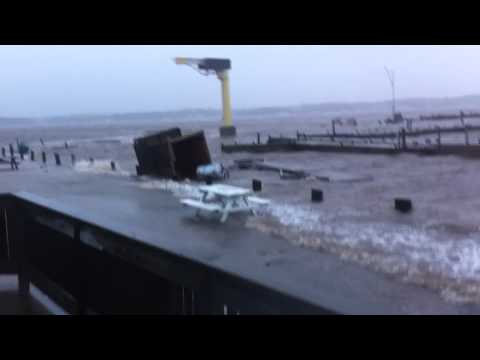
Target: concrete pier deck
[157, 218]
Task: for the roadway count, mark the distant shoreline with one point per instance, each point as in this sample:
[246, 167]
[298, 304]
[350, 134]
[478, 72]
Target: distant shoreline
[411, 105]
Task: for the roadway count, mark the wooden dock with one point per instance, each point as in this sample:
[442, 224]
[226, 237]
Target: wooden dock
[469, 151]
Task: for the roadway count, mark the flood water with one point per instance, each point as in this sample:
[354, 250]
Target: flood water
[436, 246]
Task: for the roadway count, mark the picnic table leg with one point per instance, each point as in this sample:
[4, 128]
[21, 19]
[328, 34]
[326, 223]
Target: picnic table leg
[225, 211]
[254, 213]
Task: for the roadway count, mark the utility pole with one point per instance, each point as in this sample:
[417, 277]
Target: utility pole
[391, 78]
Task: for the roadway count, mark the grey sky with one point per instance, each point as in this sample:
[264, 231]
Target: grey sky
[53, 80]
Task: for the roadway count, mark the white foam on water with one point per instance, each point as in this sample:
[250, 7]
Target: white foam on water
[178, 189]
[419, 256]
[99, 167]
[451, 267]
[124, 139]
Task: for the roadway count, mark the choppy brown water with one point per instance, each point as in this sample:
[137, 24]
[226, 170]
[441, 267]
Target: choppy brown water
[437, 246]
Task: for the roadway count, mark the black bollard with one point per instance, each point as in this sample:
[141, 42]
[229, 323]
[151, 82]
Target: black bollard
[44, 157]
[112, 164]
[32, 156]
[403, 205]
[73, 159]
[256, 185]
[317, 195]
[57, 160]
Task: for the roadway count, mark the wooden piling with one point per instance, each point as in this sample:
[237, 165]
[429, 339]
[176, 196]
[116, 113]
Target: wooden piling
[403, 205]
[256, 185]
[317, 195]
[404, 139]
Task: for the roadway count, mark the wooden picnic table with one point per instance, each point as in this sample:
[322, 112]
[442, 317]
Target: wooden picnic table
[224, 199]
[232, 198]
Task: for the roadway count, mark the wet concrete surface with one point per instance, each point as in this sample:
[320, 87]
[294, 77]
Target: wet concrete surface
[157, 218]
[12, 304]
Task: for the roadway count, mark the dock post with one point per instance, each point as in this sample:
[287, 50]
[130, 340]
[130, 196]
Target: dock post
[403, 205]
[404, 139]
[57, 159]
[256, 185]
[32, 155]
[317, 195]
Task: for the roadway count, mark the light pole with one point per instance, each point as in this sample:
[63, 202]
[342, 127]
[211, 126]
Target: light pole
[391, 78]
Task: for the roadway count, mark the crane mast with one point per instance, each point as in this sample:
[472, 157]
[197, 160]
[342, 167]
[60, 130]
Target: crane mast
[220, 68]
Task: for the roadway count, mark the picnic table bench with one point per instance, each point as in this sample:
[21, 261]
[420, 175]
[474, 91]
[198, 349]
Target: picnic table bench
[224, 199]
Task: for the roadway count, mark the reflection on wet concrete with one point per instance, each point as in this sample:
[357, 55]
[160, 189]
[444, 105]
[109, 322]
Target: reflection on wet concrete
[12, 304]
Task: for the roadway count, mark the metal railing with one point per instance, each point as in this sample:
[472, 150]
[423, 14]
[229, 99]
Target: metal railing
[88, 268]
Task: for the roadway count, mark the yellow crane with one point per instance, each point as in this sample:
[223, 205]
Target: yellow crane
[221, 68]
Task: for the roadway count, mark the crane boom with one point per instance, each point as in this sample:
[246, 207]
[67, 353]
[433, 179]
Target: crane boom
[187, 61]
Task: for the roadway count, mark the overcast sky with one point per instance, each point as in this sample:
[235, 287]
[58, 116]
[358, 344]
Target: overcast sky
[56, 80]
